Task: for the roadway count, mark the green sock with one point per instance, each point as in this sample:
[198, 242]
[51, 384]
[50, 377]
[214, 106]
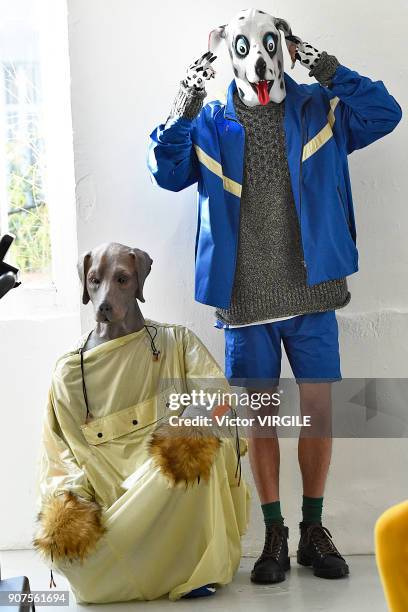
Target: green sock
[312, 509]
[272, 513]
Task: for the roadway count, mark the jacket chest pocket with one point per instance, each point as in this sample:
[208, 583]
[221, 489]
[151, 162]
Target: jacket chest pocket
[142, 417]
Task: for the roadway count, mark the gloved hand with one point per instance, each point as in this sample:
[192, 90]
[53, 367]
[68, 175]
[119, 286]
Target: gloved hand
[200, 71]
[189, 100]
[321, 65]
[302, 51]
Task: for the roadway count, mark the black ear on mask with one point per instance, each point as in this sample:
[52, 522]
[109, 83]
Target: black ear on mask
[143, 265]
[84, 263]
[283, 25]
[215, 37]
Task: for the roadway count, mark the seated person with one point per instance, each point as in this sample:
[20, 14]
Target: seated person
[174, 527]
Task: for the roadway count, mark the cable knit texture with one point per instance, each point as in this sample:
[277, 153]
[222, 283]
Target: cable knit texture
[188, 102]
[270, 276]
[325, 69]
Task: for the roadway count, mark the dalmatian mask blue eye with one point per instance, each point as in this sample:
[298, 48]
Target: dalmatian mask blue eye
[254, 44]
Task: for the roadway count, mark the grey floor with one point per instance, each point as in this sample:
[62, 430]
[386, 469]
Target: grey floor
[301, 592]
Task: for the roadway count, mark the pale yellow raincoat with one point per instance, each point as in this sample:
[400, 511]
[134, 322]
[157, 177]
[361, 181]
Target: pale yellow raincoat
[160, 539]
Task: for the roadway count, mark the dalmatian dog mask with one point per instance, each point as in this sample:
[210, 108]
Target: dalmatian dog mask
[254, 44]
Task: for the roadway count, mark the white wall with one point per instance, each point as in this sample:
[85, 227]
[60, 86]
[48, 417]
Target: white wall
[29, 348]
[127, 57]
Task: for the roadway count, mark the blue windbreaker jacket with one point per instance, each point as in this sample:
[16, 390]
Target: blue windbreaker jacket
[322, 126]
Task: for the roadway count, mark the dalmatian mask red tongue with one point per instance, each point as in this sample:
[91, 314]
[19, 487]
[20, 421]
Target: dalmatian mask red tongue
[262, 91]
[254, 44]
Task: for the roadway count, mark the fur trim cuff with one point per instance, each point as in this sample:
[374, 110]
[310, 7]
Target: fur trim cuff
[70, 527]
[184, 456]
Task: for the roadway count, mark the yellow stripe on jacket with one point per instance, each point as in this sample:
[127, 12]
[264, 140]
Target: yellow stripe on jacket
[211, 164]
[324, 135]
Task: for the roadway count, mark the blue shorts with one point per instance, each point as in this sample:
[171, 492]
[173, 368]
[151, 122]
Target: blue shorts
[253, 354]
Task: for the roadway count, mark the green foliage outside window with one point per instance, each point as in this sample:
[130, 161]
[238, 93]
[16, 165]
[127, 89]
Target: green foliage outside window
[28, 214]
[28, 217]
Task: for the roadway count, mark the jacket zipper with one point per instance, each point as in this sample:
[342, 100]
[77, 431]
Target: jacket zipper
[300, 184]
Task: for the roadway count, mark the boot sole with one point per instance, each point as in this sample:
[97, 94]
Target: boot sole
[331, 573]
[266, 580]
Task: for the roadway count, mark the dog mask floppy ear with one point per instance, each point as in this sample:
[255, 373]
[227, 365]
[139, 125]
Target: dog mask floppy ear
[215, 37]
[84, 263]
[143, 264]
[283, 25]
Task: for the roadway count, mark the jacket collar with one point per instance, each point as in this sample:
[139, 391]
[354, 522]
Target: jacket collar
[296, 96]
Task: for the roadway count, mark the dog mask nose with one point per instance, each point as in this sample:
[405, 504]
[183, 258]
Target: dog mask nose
[105, 308]
[260, 68]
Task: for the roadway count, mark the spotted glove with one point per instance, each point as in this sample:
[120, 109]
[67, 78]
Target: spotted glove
[321, 65]
[201, 71]
[191, 94]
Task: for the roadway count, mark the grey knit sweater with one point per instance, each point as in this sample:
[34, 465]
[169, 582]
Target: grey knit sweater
[270, 276]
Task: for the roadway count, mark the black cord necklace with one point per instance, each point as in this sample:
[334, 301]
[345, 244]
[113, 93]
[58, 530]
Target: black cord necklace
[155, 352]
[88, 414]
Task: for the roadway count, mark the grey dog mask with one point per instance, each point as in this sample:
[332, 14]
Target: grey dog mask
[254, 44]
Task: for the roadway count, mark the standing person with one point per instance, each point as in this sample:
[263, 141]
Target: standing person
[276, 237]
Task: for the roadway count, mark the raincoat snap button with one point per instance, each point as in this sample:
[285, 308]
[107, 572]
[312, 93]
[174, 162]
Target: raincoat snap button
[100, 435]
[134, 421]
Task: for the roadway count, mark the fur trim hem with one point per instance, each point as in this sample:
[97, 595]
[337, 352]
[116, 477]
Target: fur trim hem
[70, 527]
[185, 456]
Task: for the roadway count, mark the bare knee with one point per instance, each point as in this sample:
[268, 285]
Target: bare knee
[261, 403]
[315, 403]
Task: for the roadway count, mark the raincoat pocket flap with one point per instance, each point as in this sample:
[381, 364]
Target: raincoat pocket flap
[132, 419]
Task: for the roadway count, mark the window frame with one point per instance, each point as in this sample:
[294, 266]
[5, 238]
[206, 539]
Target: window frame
[61, 294]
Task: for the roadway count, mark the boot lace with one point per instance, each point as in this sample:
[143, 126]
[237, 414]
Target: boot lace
[273, 541]
[321, 538]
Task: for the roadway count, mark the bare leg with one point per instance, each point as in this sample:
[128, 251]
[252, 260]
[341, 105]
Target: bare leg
[316, 548]
[315, 442]
[264, 456]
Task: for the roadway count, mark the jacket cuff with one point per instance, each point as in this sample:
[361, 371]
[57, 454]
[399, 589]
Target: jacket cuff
[325, 69]
[188, 102]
